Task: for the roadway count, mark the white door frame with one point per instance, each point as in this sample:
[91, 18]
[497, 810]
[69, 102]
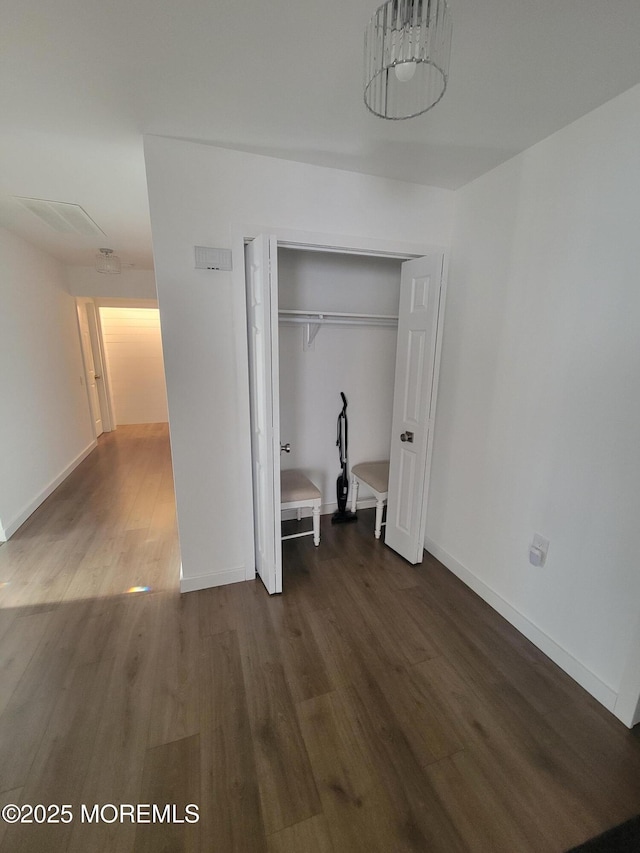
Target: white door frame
[321, 242]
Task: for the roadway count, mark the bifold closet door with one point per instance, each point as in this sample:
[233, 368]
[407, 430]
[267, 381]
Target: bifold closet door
[262, 319]
[412, 405]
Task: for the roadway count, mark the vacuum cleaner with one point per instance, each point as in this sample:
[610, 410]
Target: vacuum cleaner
[342, 515]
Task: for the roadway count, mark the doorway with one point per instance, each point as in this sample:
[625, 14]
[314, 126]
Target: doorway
[94, 367]
[414, 386]
[123, 360]
[134, 363]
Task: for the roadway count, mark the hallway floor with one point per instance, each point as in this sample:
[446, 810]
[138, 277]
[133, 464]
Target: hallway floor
[374, 706]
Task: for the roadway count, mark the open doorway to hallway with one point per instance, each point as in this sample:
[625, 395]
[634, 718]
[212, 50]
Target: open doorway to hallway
[126, 394]
[134, 364]
[124, 367]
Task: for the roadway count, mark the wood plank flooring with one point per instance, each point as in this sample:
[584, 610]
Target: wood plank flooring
[374, 706]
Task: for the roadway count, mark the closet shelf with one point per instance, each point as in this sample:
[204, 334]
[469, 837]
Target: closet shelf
[312, 320]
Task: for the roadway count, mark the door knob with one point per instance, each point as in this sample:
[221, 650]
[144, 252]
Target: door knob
[95, 376]
[285, 448]
[407, 436]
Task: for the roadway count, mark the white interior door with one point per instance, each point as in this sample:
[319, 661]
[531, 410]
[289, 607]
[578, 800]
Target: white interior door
[262, 320]
[95, 334]
[412, 403]
[90, 370]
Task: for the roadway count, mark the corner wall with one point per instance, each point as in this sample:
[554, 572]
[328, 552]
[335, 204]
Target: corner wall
[45, 426]
[538, 420]
[202, 196]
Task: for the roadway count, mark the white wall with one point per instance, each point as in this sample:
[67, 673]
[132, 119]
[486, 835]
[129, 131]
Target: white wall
[45, 426]
[129, 284]
[133, 350]
[538, 421]
[201, 196]
[338, 282]
[359, 360]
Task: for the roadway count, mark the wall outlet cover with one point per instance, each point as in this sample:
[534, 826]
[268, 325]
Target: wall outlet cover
[539, 545]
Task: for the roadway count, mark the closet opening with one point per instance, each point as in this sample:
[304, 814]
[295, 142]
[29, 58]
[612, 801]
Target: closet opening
[337, 333]
[322, 324]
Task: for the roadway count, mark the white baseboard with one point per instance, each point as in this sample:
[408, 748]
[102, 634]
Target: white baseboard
[192, 584]
[32, 506]
[585, 678]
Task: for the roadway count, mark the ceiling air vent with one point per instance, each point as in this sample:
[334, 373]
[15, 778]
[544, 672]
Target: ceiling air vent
[62, 217]
[212, 259]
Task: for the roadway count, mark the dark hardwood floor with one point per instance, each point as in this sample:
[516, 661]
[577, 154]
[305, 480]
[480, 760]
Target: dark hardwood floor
[374, 706]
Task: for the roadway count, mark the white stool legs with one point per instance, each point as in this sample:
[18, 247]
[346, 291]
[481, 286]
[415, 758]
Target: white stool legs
[379, 510]
[297, 492]
[375, 475]
[354, 493]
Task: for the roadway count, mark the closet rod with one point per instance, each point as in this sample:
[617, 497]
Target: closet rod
[312, 320]
[337, 318]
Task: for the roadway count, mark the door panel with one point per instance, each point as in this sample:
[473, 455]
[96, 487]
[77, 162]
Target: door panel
[262, 321]
[90, 370]
[415, 361]
[405, 502]
[414, 378]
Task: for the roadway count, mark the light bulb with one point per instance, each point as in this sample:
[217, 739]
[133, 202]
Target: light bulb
[405, 71]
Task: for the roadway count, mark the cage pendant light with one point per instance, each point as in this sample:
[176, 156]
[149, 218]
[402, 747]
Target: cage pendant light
[407, 44]
[107, 262]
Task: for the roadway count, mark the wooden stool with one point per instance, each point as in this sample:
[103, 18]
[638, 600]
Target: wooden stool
[376, 476]
[296, 492]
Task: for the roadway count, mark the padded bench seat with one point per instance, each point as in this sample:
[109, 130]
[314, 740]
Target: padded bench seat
[296, 492]
[376, 476]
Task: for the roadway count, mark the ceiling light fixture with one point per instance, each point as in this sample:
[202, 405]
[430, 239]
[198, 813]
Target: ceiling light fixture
[407, 44]
[107, 262]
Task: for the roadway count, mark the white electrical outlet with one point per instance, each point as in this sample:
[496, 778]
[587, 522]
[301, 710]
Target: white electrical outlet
[538, 550]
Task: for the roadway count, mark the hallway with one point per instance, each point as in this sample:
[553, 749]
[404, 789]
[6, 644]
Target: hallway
[375, 706]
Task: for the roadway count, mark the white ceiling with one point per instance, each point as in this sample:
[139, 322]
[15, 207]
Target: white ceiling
[82, 80]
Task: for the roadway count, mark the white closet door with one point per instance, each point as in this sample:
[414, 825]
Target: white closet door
[262, 318]
[415, 360]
